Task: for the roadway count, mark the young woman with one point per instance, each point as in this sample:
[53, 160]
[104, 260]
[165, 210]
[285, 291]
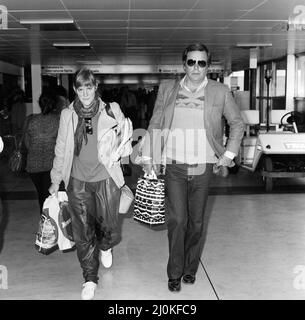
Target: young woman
[86, 160]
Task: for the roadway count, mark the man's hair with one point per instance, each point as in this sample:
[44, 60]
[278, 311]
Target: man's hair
[84, 77]
[196, 47]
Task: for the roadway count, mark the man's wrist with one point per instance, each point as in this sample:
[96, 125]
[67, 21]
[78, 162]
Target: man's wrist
[229, 154]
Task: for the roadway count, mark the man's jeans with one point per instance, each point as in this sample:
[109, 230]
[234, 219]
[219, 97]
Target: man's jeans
[95, 216]
[187, 191]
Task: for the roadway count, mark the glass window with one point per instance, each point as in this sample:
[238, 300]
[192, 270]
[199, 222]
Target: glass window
[280, 78]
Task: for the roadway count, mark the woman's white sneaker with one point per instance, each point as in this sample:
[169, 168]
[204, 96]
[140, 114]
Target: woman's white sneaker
[106, 258]
[88, 290]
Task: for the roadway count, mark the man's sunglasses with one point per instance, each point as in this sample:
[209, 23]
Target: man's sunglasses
[201, 63]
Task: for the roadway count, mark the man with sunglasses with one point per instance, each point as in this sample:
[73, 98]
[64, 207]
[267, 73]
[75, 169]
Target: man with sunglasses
[185, 137]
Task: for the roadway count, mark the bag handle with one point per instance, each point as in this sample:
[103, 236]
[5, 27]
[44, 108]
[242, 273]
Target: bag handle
[152, 175]
[24, 130]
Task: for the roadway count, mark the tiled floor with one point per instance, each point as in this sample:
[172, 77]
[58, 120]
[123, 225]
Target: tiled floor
[254, 248]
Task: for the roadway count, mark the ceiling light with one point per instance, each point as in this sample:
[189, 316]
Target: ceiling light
[50, 24]
[45, 21]
[72, 45]
[253, 45]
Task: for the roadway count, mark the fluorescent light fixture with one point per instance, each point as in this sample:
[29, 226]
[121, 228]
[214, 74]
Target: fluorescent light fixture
[253, 45]
[71, 44]
[46, 21]
[50, 24]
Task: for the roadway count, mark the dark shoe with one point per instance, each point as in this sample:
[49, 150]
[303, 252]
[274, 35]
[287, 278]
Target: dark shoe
[189, 279]
[174, 285]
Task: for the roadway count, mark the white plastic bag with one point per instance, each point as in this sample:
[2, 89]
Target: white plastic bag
[58, 210]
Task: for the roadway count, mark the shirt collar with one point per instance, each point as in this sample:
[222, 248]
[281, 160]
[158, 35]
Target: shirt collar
[201, 86]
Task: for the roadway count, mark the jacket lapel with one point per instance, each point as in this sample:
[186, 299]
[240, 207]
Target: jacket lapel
[209, 94]
[170, 102]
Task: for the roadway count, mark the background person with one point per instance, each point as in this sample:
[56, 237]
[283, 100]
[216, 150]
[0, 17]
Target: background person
[17, 109]
[39, 140]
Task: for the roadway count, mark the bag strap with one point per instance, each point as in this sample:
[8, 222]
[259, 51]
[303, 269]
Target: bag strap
[109, 111]
[24, 130]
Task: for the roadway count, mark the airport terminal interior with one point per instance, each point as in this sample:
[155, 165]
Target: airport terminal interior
[254, 231]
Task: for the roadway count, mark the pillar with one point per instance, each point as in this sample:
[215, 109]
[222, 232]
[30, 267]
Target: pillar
[290, 83]
[35, 69]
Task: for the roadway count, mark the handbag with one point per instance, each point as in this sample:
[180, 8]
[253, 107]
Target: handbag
[17, 160]
[126, 199]
[149, 205]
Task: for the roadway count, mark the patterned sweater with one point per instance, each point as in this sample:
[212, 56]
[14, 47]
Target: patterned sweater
[40, 140]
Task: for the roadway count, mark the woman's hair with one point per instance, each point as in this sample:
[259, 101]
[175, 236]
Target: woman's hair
[84, 77]
[196, 47]
[47, 102]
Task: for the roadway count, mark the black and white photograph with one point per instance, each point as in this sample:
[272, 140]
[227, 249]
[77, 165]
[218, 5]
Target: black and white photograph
[152, 153]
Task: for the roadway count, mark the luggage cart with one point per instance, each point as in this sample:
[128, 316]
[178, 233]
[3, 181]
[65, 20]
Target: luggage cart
[278, 154]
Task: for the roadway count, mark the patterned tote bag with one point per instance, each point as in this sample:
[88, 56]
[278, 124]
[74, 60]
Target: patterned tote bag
[149, 203]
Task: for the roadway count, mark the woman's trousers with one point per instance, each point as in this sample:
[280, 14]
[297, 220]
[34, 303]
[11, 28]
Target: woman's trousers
[95, 221]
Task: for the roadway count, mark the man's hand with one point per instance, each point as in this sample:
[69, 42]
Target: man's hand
[148, 167]
[224, 161]
[54, 189]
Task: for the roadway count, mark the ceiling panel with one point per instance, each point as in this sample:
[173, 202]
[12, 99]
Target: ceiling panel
[33, 4]
[169, 24]
[38, 14]
[153, 24]
[157, 14]
[148, 34]
[212, 15]
[99, 15]
[110, 37]
[223, 6]
[284, 6]
[267, 14]
[97, 24]
[245, 24]
[101, 32]
[93, 4]
[162, 4]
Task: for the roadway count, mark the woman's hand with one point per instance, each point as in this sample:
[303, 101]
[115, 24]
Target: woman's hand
[54, 189]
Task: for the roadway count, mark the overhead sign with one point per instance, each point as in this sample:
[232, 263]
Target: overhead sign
[58, 69]
[124, 69]
[216, 68]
